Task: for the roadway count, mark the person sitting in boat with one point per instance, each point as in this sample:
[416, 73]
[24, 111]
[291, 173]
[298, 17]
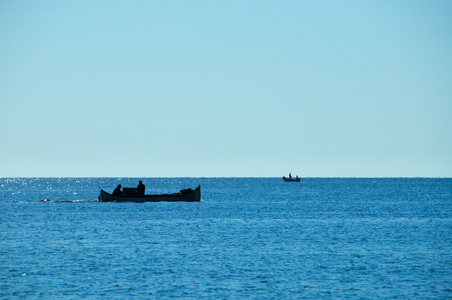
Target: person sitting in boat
[140, 188]
[117, 191]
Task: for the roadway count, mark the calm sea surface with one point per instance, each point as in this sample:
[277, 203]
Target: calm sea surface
[256, 238]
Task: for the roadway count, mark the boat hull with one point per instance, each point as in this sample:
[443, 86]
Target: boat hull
[285, 179]
[194, 196]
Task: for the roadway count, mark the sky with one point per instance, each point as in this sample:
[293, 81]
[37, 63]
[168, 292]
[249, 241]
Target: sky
[234, 88]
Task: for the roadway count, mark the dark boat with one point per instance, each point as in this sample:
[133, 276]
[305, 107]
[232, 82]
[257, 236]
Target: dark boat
[291, 179]
[129, 195]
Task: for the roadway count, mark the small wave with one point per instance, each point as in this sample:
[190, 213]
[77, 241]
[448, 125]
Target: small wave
[52, 201]
[75, 201]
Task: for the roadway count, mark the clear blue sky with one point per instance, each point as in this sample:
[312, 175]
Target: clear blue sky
[226, 88]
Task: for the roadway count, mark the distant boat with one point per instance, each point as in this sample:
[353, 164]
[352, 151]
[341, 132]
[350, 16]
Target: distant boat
[291, 179]
[129, 195]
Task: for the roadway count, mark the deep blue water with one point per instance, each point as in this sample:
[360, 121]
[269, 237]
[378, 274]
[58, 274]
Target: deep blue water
[258, 238]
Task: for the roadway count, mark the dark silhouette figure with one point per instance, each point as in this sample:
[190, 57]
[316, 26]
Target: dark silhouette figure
[117, 191]
[290, 175]
[140, 189]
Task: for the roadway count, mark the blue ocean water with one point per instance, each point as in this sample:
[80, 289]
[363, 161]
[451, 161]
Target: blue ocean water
[257, 238]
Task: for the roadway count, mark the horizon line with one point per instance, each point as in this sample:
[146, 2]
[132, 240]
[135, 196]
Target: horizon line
[306, 177]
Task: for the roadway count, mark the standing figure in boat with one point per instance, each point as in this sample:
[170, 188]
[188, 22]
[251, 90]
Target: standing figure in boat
[291, 179]
[117, 191]
[140, 188]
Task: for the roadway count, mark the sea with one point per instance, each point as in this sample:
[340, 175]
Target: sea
[249, 238]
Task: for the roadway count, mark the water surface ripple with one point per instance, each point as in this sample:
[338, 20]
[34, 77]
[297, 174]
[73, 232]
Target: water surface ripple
[258, 238]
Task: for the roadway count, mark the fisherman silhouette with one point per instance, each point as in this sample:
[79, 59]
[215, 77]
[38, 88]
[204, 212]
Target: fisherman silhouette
[117, 191]
[140, 188]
